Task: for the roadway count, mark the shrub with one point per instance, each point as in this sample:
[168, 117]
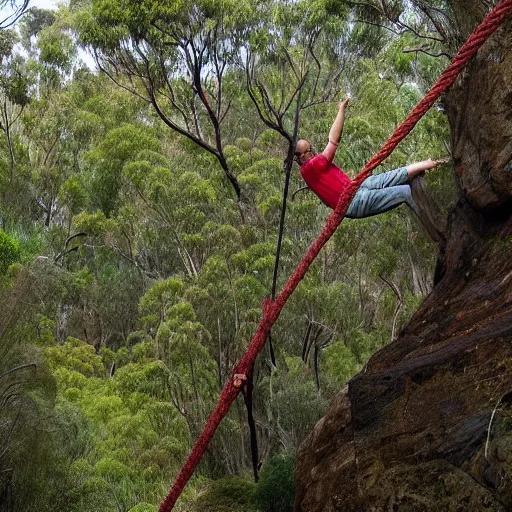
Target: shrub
[9, 252]
[276, 489]
[229, 494]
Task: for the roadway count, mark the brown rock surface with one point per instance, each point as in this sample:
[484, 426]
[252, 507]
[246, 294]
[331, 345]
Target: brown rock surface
[409, 433]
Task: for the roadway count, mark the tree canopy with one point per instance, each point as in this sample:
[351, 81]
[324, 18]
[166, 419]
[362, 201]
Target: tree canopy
[141, 202]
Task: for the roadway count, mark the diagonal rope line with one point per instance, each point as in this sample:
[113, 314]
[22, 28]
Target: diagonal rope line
[272, 310]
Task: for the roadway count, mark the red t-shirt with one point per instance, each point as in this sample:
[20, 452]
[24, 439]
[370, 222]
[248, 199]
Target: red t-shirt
[325, 179]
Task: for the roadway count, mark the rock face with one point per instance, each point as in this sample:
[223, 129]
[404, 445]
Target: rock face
[410, 432]
[427, 425]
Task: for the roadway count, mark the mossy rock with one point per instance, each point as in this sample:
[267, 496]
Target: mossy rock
[429, 487]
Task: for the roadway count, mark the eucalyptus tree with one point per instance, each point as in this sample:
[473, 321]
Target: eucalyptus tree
[32, 473]
[176, 56]
[431, 26]
[14, 96]
[49, 156]
[32, 24]
[292, 63]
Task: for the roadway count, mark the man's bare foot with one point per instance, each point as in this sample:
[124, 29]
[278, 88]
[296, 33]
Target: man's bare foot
[421, 167]
[444, 160]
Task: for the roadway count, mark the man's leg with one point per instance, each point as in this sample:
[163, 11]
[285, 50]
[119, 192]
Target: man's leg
[387, 179]
[368, 202]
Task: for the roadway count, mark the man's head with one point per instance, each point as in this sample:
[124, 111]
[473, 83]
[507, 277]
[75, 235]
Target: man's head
[303, 151]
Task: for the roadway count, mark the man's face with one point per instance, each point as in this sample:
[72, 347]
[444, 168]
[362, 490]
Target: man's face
[301, 157]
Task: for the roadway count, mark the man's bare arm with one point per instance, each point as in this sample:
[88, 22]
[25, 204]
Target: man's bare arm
[335, 133]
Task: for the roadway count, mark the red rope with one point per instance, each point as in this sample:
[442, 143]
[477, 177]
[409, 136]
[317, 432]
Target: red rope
[271, 311]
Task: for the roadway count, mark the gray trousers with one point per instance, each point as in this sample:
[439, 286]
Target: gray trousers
[381, 193]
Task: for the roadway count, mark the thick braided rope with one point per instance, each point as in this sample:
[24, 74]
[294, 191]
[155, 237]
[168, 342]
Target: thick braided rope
[271, 311]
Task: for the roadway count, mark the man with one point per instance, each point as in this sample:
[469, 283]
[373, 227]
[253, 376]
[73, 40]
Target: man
[377, 194]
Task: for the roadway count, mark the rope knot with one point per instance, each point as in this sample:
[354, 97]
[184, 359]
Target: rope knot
[239, 379]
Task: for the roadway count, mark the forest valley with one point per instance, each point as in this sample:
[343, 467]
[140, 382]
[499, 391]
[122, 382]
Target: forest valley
[144, 150]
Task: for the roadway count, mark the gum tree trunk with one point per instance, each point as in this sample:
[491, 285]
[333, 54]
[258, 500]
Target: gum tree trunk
[427, 425]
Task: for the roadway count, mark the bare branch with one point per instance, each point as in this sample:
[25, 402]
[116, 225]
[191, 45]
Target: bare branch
[172, 97]
[318, 70]
[417, 34]
[51, 149]
[365, 22]
[225, 112]
[399, 303]
[249, 71]
[195, 116]
[299, 190]
[424, 49]
[298, 88]
[16, 15]
[18, 115]
[292, 65]
[177, 128]
[267, 103]
[131, 91]
[17, 368]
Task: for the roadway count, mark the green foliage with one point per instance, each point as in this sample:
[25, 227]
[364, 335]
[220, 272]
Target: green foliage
[291, 395]
[340, 363]
[239, 159]
[364, 344]
[15, 87]
[229, 494]
[160, 297]
[73, 194]
[144, 507]
[268, 139]
[75, 355]
[7, 40]
[135, 325]
[276, 488]
[56, 49]
[34, 21]
[9, 252]
[120, 147]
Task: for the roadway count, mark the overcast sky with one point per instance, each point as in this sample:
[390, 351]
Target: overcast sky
[44, 4]
[41, 4]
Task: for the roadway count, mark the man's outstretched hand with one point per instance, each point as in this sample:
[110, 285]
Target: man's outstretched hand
[335, 132]
[437, 162]
[343, 104]
[431, 164]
